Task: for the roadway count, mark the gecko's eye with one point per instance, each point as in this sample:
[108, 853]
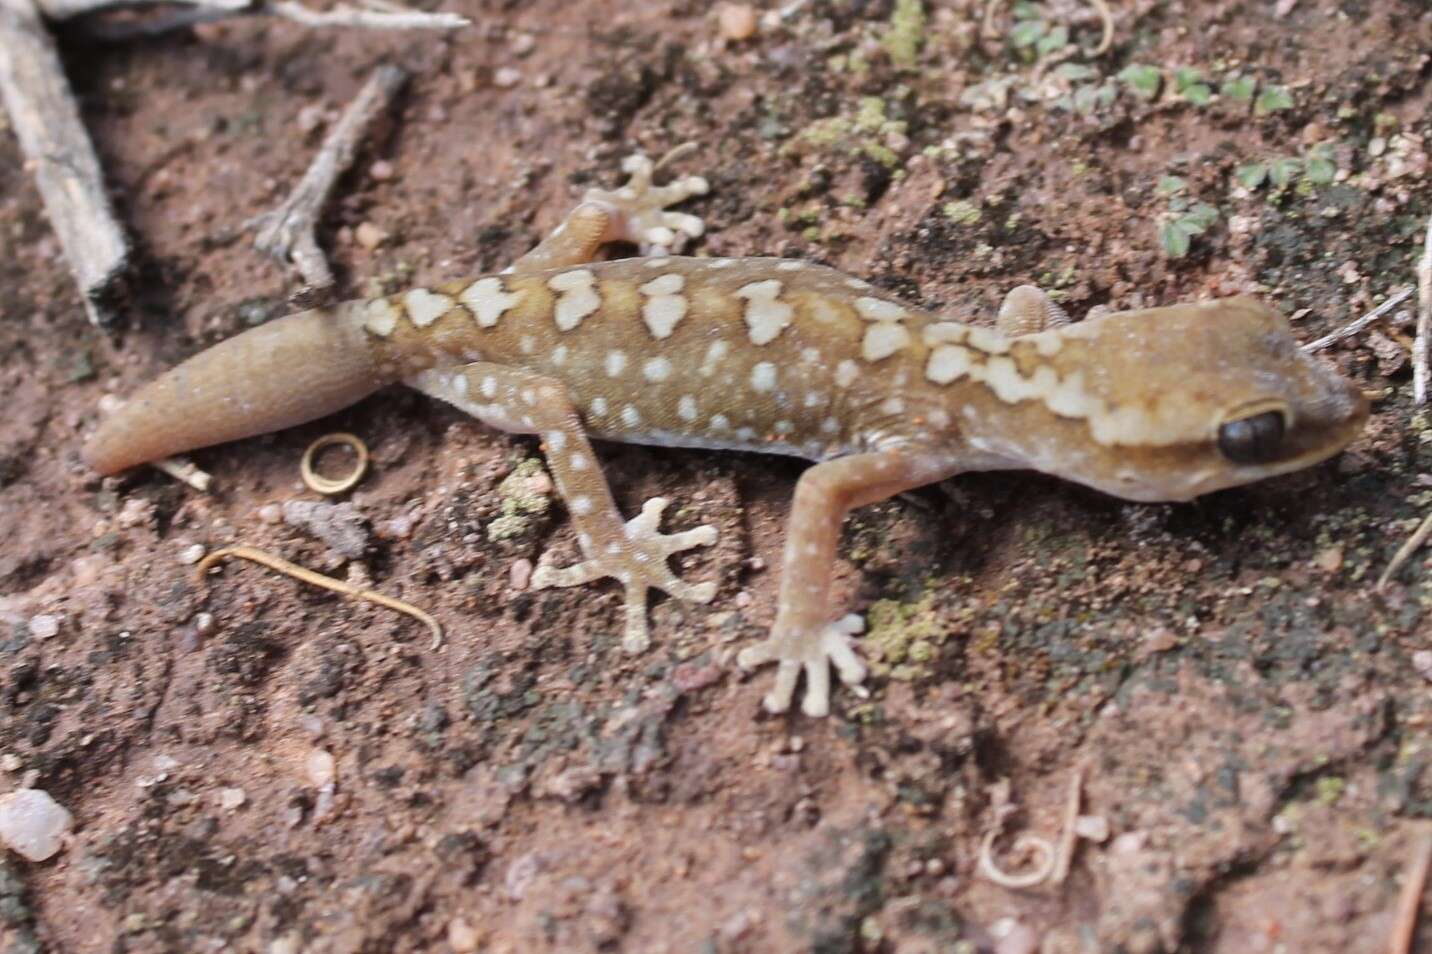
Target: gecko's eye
[1255, 439]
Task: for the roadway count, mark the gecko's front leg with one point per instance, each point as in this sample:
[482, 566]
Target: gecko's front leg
[803, 637]
[635, 551]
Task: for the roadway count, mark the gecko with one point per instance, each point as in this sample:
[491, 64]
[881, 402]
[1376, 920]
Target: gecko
[776, 356]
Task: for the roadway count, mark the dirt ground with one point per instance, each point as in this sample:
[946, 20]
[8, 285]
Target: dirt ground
[258, 766]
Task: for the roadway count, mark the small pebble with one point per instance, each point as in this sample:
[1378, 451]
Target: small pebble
[506, 78]
[311, 724]
[461, 936]
[204, 624]
[191, 555]
[288, 944]
[44, 627]
[1422, 662]
[382, 170]
[231, 799]
[271, 513]
[736, 21]
[321, 767]
[32, 823]
[369, 235]
[521, 573]
[310, 118]
[10, 762]
[523, 43]
[1092, 828]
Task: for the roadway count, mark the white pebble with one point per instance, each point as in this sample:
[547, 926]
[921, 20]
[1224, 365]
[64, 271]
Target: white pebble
[1092, 828]
[10, 762]
[191, 554]
[506, 78]
[461, 936]
[321, 767]
[231, 799]
[204, 624]
[1422, 662]
[271, 513]
[32, 823]
[44, 627]
[521, 573]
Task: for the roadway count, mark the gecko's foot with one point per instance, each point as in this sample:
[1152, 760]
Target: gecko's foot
[644, 220]
[815, 654]
[638, 562]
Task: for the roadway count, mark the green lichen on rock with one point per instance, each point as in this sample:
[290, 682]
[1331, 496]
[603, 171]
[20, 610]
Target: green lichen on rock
[903, 637]
[906, 34]
[870, 132]
[525, 493]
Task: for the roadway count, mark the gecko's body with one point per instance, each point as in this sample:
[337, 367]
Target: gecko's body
[772, 355]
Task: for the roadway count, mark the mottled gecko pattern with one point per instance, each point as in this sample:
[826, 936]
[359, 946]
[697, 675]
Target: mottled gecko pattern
[782, 356]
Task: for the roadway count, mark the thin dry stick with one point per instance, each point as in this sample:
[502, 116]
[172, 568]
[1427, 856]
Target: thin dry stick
[1405, 921]
[1404, 552]
[287, 233]
[55, 145]
[372, 14]
[1068, 835]
[1352, 328]
[1423, 341]
[280, 565]
[185, 471]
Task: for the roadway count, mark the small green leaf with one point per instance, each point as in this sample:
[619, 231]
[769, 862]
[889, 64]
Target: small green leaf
[1168, 185]
[1075, 72]
[1184, 77]
[1026, 33]
[1024, 10]
[1089, 98]
[1199, 94]
[1273, 99]
[1200, 217]
[1252, 175]
[1057, 39]
[1174, 239]
[1143, 80]
[1320, 171]
[1283, 171]
[1239, 88]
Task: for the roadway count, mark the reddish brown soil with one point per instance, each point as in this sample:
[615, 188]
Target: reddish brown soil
[1245, 710]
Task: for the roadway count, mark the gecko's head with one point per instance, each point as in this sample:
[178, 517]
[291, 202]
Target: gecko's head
[1180, 401]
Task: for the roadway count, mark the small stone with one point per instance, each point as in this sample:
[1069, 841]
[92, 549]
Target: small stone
[191, 554]
[340, 526]
[1017, 939]
[44, 627]
[522, 44]
[10, 762]
[231, 799]
[736, 21]
[310, 118]
[382, 170]
[520, 574]
[1421, 661]
[271, 513]
[369, 235]
[461, 936]
[32, 823]
[1329, 560]
[321, 768]
[204, 624]
[1093, 828]
[1160, 640]
[506, 78]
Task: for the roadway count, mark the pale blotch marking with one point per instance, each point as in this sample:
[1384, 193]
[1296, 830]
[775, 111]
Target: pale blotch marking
[631, 417]
[763, 377]
[717, 350]
[578, 462]
[878, 309]
[556, 440]
[790, 265]
[656, 370]
[582, 506]
[615, 363]
[664, 305]
[990, 342]
[846, 372]
[720, 422]
[816, 399]
[559, 355]
[576, 297]
[892, 406]
[425, 307]
[766, 316]
[720, 263]
[883, 339]
[686, 408]
[527, 344]
[783, 427]
[810, 355]
[830, 425]
[489, 387]
[745, 434]
[488, 299]
[948, 363]
[599, 407]
[380, 317]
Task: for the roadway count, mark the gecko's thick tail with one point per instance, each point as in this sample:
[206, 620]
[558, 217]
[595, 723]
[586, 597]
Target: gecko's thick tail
[290, 371]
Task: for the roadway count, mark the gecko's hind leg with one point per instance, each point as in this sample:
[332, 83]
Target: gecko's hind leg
[633, 551]
[636, 213]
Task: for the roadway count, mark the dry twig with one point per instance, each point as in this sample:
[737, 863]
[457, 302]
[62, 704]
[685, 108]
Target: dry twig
[280, 565]
[287, 233]
[1404, 552]
[1353, 327]
[55, 145]
[1405, 921]
[1423, 342]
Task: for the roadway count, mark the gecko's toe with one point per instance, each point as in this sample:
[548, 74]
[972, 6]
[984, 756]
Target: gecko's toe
[832, 646]
[641, 206]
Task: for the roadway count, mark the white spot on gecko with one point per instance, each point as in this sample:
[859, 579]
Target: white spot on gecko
[489, 387]
[686, 408]
[380, 317]
[763, 376]
[488, 300]
[576, 297]
[599, 407]
[582, 506]
[883, 339]
[616, 362]
[631, 417]
[846, 372]
[714, 353]
[765, 315]
[656, 369]
[947, 363]
[425, 307]
[556, 440]
[665, 305]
